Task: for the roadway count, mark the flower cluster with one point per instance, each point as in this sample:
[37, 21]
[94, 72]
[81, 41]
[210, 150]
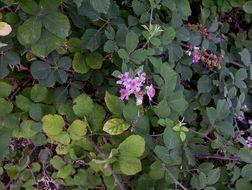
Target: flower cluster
[135, 85]
[210, 59]
[249, 142]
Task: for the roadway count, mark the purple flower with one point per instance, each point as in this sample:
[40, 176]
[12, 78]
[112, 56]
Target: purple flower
[124, 94]
[124, 77]
[196, 58]
[249, 142]
[135, 85]
[139, 98]
[150, 92]
[141, 76]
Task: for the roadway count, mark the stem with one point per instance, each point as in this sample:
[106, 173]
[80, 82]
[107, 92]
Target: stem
[169, 173]
[218, 157]
[103, 155]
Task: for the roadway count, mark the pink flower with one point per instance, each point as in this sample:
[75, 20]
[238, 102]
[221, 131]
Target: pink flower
[249, 142]
[139, 98]
[124, 77]
[124, 94]
[150, 92]
[134, 85]
[141, 76]
[196, 58]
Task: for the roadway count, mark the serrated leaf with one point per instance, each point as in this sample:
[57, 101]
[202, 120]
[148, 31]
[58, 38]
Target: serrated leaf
[83, 105]
[5, 89]
[131, 42]
[91, 39]
[213, 176]
[130, 165]
[114, 104]
[247, 7]
[53, 124]
[57, 23]
[79, 63]
[168, 35]
[38, 93]
[132, 146]
[115, 126]
[65, 171]
[101, 6]
[30, 31]
[77, 129]
[94, 60]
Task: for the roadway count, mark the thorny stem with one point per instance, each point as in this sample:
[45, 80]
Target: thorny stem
[116, 178]
[218, 157]
[169, 173]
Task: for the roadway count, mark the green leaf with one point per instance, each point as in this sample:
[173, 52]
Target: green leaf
[46, 44]
[123, 54]
[162, 109]
[83, 105]
[5, 138]
[30, 31]
[115, 126]
[182, 136]
[49, 6]
[225, 127]
[23, 103]
[169, 76]
[114, 104]
[40, 70]
[245, 56]
[10, 58]
[29, 6]
[171, 138]
[38, 93]
[57, 23]
[247, 7]
[53, 124]
[132, 146]
[213, 176]
[57, 162]
[243, 184]
[246, 155]
[204, 84]
[91, 39]
[177, 102]
[6, 106]
[77, 129]
[96, 120]
[94, 60]
[62, 138]
[223, 109]
[247, 172]
[170, 4]
[79, 63]
[131, 42]
[5, 89]
[65, 171]
[184, 6]
[101, 6]
[130, 165]
[168, 35]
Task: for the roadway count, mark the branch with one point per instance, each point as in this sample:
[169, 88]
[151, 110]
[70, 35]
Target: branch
[103, 155]
[169, 173]
[218, 157]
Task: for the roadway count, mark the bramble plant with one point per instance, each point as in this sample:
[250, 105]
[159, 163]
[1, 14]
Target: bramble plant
[130, 94]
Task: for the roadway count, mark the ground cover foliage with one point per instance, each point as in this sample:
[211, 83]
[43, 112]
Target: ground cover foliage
[126, 94]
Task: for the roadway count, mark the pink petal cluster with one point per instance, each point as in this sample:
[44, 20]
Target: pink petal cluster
[249, 142]
[195, 51]
[135, 85]
[196, 54]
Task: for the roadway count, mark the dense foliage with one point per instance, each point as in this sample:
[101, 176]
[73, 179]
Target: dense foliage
[126, 94]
